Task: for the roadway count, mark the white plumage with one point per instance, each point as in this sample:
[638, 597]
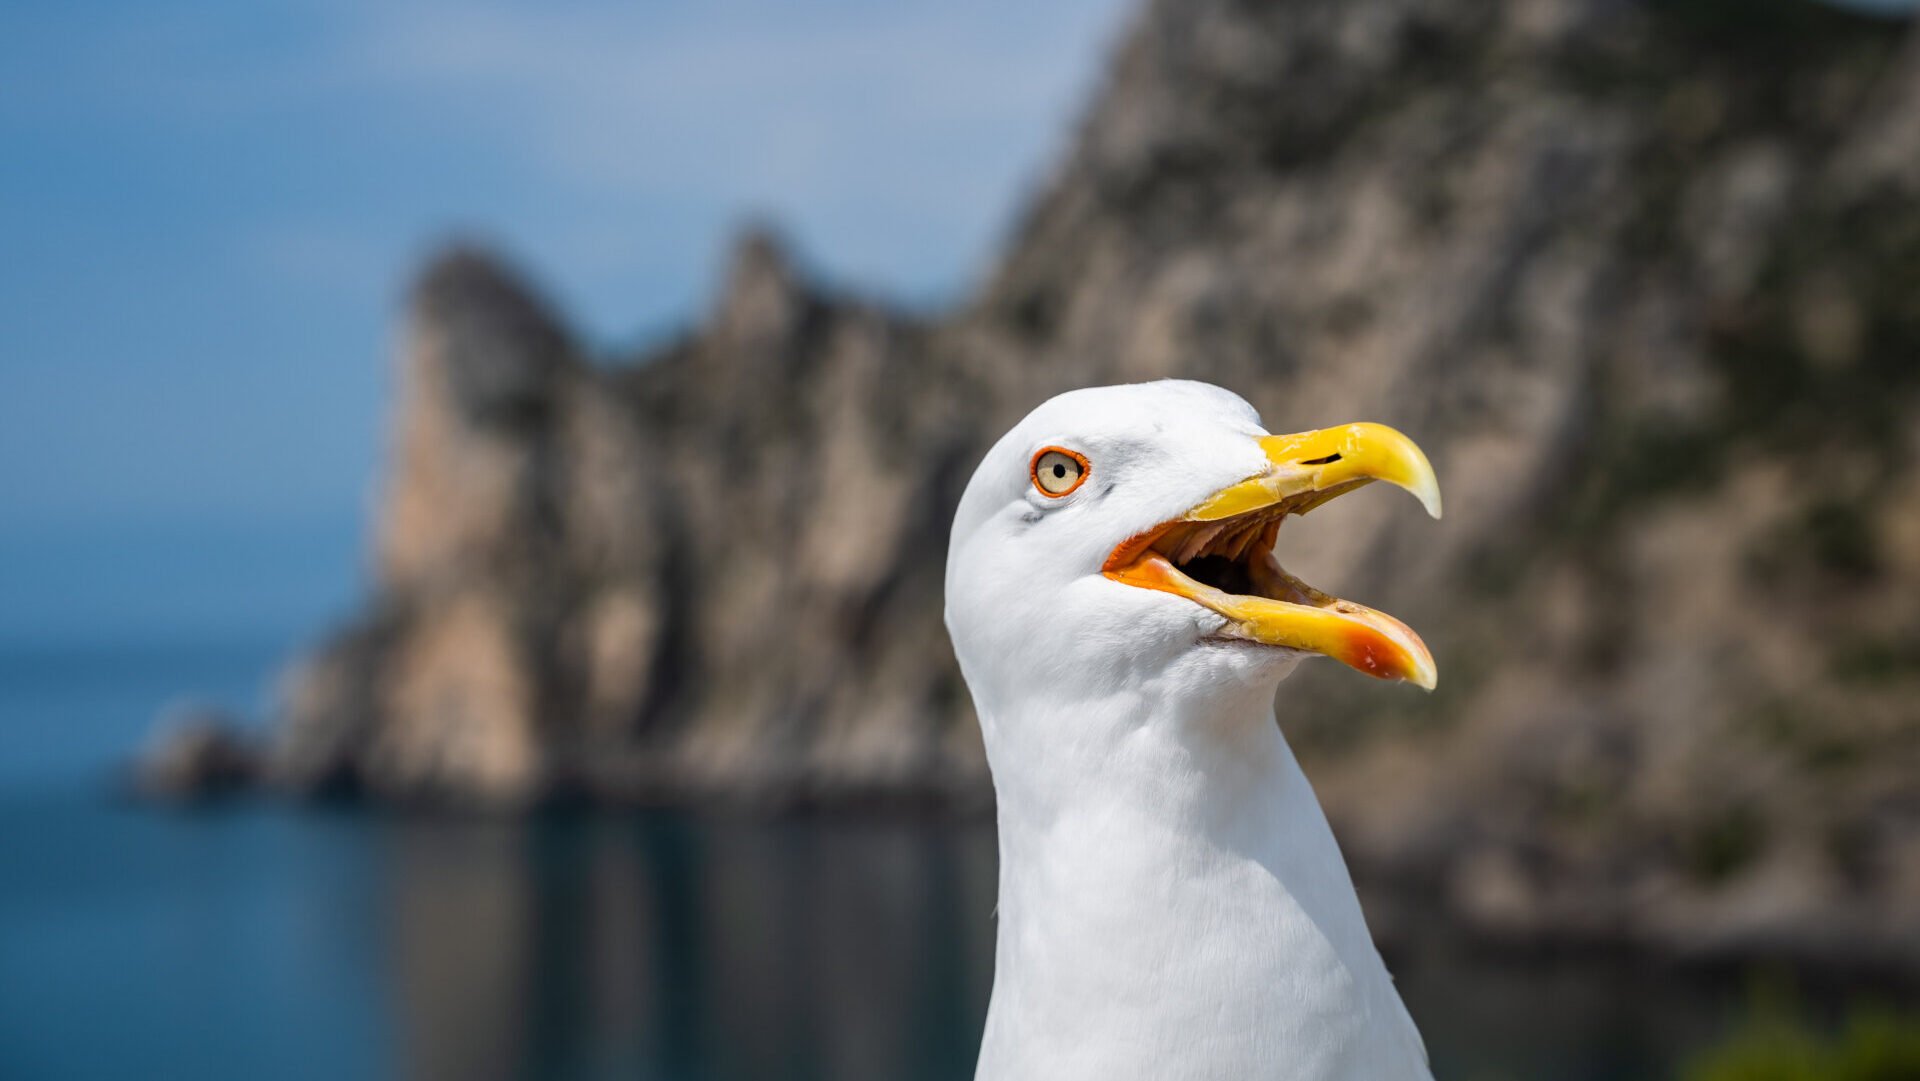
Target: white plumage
[1172, 904]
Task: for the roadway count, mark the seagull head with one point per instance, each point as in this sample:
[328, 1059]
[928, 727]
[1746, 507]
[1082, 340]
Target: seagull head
[1121, 538]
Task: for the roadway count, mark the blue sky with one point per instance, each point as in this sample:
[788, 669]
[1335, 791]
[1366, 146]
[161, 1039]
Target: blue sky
[209, 211]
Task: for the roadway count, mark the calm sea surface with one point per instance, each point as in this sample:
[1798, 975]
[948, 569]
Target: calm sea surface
[249, 940]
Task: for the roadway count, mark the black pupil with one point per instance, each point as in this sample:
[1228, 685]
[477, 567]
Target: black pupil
[1059, 471]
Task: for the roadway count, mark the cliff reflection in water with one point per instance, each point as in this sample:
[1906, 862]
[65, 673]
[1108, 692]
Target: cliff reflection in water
[663, 946]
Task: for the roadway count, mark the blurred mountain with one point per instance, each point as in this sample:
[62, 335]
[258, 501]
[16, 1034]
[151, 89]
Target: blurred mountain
[1640, 277]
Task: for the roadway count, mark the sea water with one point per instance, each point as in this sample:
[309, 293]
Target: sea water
[250, 939]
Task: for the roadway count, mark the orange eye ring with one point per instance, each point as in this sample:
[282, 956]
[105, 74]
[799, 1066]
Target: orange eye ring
[1071, 473]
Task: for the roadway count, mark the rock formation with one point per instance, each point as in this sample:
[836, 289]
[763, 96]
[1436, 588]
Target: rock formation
[197, 752]
[1641, 278]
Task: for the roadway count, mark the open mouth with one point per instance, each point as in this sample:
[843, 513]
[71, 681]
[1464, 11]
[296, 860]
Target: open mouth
[1220, 554]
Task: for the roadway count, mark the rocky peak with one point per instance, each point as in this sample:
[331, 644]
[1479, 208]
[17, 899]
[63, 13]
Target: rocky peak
[493, 344]
[483, 369]
[763, 302]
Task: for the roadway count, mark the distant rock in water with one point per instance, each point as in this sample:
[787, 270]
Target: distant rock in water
[1640, 278]
[197, 751]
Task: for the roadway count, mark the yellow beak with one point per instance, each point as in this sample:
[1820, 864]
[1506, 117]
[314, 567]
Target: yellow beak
[1327, 463]
[1230, 536]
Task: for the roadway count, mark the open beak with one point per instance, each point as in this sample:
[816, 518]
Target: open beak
[1220, 554]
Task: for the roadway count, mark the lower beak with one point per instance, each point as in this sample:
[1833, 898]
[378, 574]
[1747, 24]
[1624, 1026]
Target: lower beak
[1234, 530]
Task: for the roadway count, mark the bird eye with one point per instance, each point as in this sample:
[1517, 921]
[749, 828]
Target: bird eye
[1057, 472]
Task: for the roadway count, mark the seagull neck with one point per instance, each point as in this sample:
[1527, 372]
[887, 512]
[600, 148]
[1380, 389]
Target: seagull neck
[1163, 753]
[1175, 844]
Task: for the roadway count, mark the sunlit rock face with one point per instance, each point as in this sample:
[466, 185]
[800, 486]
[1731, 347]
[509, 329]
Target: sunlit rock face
[713, 571]
[1639, 280]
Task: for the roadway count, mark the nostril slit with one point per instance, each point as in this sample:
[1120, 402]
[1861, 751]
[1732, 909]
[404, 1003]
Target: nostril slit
[1328, 460]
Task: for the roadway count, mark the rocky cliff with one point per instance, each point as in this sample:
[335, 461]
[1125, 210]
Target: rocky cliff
[1641, 278]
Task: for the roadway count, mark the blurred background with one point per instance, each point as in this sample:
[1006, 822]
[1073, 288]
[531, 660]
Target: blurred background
[410, 413]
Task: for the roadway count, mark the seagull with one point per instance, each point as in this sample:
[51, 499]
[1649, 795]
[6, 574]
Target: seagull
[1172, 903]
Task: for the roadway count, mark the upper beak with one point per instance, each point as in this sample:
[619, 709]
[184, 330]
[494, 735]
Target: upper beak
[1327, 463]
[1239, 523]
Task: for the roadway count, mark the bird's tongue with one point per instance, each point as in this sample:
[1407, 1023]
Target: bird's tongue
[1290, 613]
